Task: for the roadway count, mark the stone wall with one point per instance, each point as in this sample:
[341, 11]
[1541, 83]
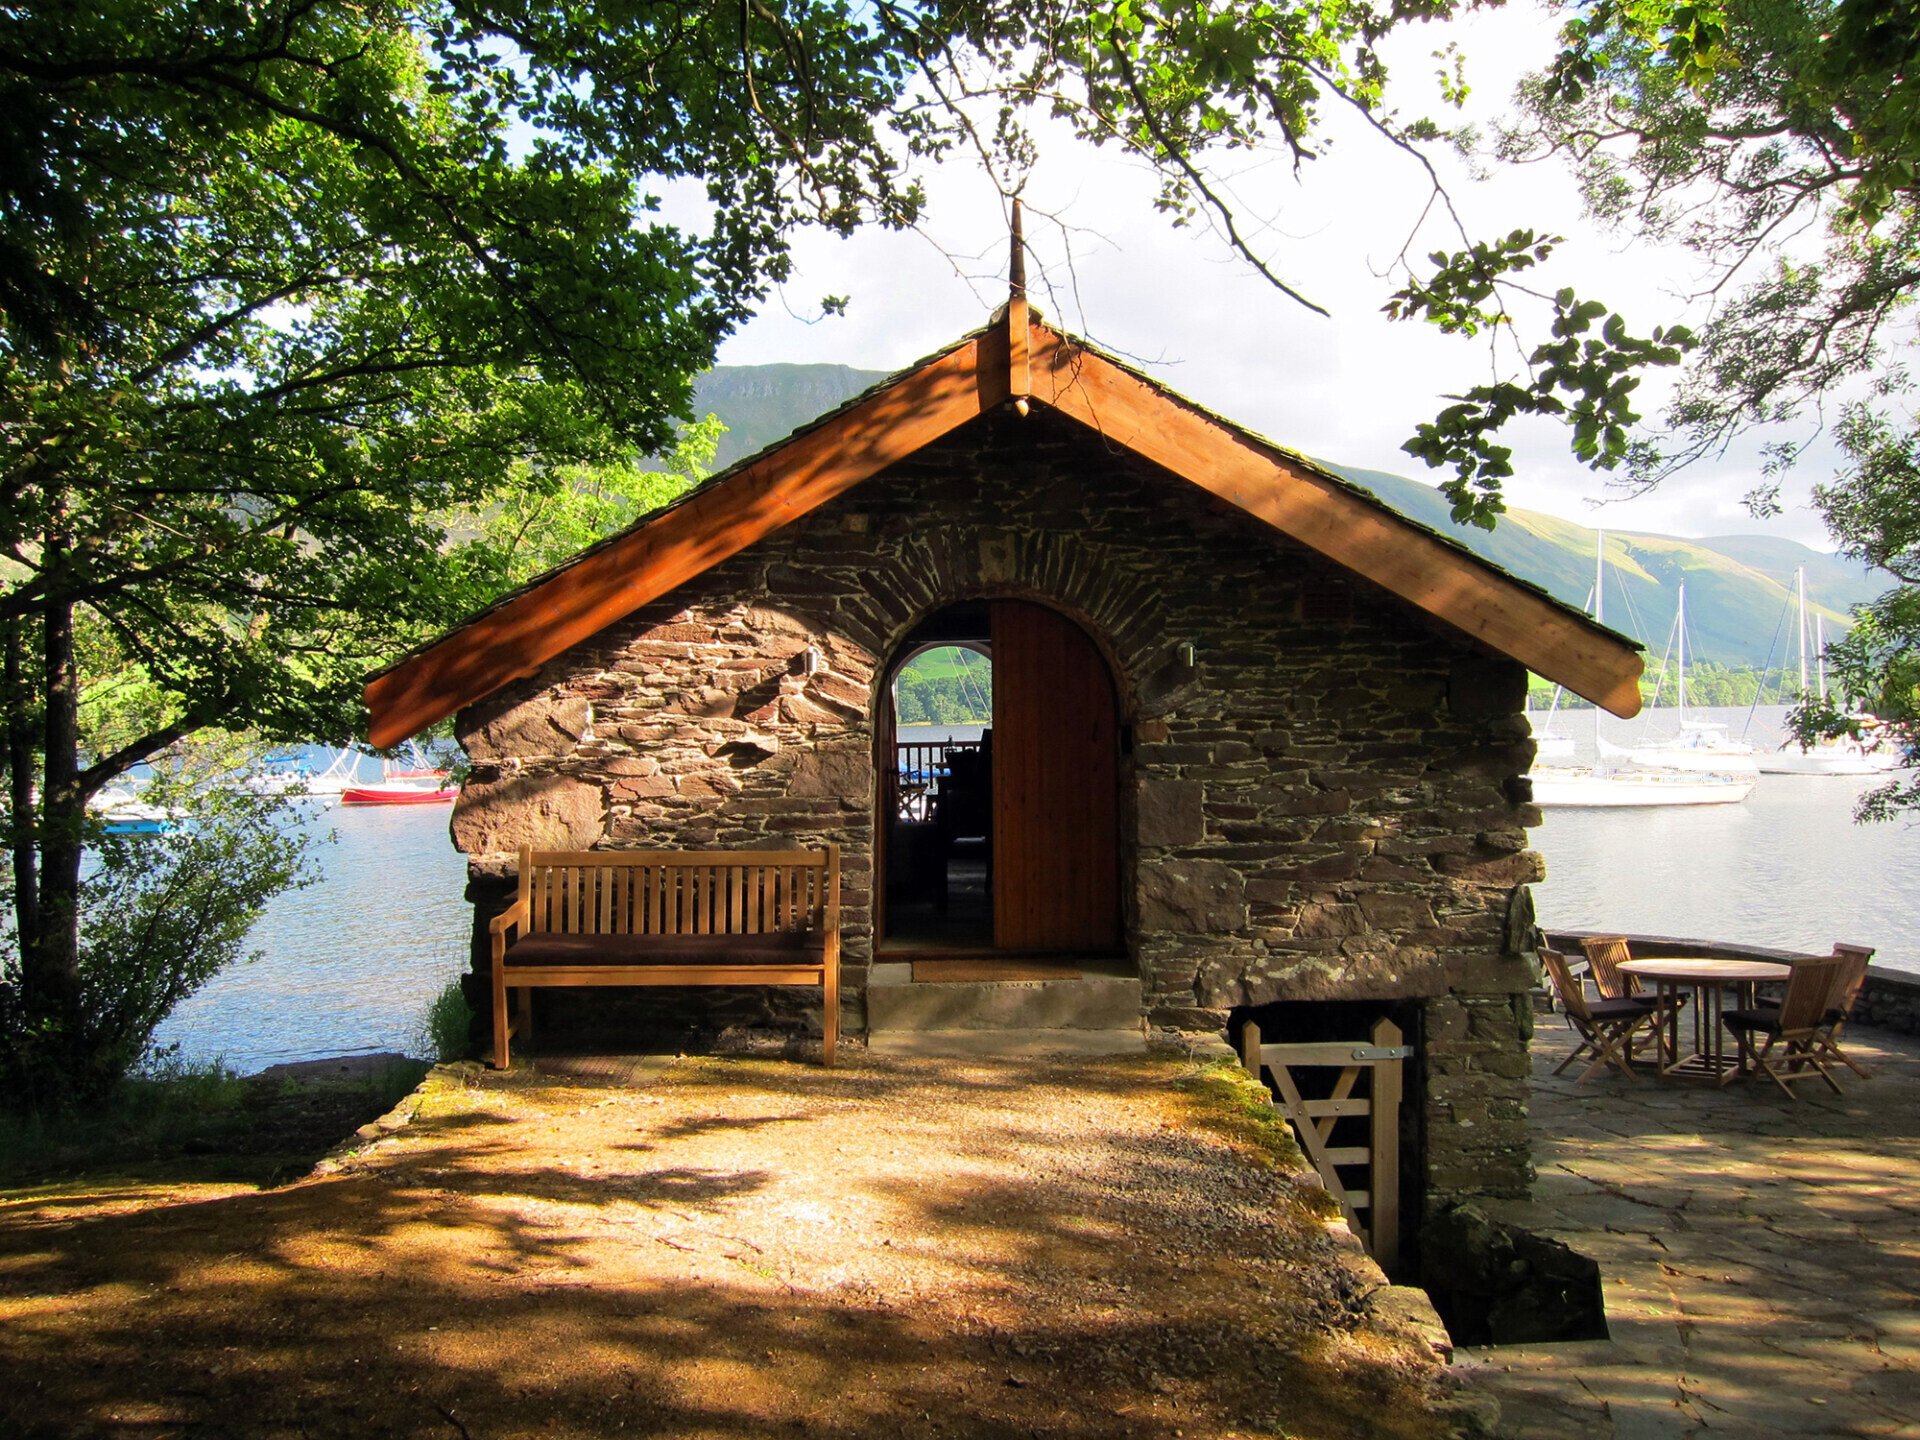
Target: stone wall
[1325, 804]
[1890, 1000]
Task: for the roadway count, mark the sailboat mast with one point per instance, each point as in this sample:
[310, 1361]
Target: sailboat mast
[1680, 654]
[1820, 629]
[1599, 617]
[1800, 590]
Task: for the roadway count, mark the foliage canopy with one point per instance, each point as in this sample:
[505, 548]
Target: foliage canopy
[1780, 143]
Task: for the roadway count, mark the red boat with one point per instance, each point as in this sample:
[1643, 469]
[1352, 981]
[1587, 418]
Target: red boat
[413, 787]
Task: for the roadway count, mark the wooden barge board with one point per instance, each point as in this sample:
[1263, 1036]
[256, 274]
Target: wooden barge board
[910, 411]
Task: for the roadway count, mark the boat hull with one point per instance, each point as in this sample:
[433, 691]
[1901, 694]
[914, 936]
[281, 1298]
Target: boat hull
[398, 795]
[1586, 789]
[1824, 762]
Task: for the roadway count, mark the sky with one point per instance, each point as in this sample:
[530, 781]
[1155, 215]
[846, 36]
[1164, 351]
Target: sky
[1348, 387]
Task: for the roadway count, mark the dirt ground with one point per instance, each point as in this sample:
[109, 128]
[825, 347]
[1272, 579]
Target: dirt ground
[725, 1247]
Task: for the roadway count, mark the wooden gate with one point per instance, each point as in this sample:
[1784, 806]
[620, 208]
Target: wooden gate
[1056, 755]
[1314, 1121]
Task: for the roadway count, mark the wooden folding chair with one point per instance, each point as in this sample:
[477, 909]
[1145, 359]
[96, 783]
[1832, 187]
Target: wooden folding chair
[1796, 1025]
[1847, 984]
[1606, 1027]
[1604, 954]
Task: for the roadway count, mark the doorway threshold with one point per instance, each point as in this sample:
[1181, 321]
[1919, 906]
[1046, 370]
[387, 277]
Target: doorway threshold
[918, 966]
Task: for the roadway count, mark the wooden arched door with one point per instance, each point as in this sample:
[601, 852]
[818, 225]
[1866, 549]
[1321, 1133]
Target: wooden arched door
[1056, 764]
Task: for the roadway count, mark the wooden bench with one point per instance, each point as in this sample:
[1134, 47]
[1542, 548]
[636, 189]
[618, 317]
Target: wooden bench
[635, 917]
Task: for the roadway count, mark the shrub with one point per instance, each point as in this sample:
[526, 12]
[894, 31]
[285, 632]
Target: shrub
[160, 915]
[446, 1030]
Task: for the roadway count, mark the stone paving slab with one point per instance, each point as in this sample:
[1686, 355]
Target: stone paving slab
[1761, 1256]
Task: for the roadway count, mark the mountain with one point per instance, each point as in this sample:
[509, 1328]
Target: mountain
[1739, 587]
[764, 403]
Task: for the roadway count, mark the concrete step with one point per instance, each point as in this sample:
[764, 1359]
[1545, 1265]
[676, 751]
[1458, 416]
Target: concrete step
[1092, 1002]
[1008, 1044]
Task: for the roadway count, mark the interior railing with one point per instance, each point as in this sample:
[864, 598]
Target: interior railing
[919, 766]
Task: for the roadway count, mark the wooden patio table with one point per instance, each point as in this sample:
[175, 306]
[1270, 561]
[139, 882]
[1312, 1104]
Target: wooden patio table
[1709, 980]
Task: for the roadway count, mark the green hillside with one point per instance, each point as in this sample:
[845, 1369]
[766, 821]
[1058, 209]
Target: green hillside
[764, 403]
[1738, 586]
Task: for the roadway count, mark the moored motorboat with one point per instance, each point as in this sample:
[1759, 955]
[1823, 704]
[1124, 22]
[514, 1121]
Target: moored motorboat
[1570, 787]
[125, 813]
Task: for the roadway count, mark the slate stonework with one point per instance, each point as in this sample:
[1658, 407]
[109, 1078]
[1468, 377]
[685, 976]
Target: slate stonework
[1324, 805]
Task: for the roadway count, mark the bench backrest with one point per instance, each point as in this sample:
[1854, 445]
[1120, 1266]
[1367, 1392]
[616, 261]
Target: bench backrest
[663, 892]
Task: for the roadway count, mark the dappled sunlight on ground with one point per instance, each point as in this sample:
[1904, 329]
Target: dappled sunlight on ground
[1761, 1255]
[729, 1247]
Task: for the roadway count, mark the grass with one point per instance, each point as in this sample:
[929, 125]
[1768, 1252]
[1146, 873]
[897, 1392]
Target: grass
[180, 1121]
[446, 1030]
[1221, 1097]
[949, 661]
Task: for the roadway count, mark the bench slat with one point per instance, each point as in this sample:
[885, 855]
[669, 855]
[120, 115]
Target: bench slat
[589, 899]
[529, 977]
[684, 859]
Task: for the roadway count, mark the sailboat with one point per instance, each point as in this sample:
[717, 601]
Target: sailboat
[1599, 787]
[339, 776]
[1702, 746]
[421, 784]
[1832, 755]
[1549, 743]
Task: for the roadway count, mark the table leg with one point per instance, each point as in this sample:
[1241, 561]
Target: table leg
[1742, 1048]
[1668, 994]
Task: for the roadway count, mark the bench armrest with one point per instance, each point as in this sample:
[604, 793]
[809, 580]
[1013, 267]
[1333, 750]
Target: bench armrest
[514, 914]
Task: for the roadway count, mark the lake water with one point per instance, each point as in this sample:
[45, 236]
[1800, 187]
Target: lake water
[347, 966]
[1787, 867]
[351, 964]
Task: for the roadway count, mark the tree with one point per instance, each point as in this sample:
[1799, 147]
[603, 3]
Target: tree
[287, 283]
[1780, 143]
[284, 283]
[541, 515]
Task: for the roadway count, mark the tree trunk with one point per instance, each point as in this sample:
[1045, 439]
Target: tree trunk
[50, 954]
[20, 776]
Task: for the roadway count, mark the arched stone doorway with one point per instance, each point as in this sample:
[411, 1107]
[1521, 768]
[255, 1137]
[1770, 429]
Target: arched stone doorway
[1004, 837]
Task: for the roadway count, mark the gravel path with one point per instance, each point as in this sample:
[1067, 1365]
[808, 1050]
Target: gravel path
[730, 1247]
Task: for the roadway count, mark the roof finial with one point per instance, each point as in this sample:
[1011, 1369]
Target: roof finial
[1017, 267]
[1019, 371]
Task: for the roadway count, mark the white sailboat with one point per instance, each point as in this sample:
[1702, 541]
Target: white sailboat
[1834, 755]
[1549, 743]
[341, 775]
[1599, 787]
[1701, 746]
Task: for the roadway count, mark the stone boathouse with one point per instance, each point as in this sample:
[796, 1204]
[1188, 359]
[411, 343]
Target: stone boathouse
[1258, 741]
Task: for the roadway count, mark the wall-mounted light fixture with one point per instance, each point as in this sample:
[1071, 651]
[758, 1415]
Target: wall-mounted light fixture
[1186, 654]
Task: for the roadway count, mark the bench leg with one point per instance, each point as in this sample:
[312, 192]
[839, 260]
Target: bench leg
[830, 1019]
[524, 1012]
[500, 1028]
